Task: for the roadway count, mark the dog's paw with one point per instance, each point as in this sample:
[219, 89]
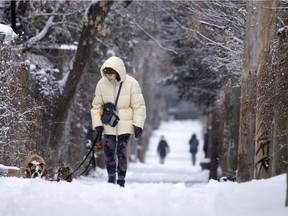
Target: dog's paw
[226, 179]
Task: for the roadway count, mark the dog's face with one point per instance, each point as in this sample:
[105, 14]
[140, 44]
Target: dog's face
[64, 173]
[36, 169]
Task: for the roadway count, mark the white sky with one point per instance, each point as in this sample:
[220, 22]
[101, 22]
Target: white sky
[173, 189]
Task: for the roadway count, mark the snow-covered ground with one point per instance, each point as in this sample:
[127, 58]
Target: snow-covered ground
[175, 188]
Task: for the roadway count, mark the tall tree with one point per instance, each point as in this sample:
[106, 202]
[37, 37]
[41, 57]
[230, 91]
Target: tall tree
[279, 148]
[264, 86]
[217, 136]
[228, 154]
[246, 146]
[92, 26]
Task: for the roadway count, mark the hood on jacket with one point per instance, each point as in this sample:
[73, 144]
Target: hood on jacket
[116, 64]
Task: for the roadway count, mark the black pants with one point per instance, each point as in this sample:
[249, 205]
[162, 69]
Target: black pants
[121, 152]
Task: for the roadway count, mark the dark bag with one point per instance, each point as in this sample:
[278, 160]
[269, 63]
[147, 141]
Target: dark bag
[109, 116]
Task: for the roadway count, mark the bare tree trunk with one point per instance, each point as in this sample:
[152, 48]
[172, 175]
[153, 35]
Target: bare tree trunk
[233, 126]
[280, 142]
[224, 146]
[246, 147]
[264, 87]
[287, 191]
[93, 25]
[217, 136]
[228, 155]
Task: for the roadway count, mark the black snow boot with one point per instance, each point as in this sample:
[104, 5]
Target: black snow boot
[112, 179]
[121, 183]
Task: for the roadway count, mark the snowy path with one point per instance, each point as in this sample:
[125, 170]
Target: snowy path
[151, 189]
[178, 166]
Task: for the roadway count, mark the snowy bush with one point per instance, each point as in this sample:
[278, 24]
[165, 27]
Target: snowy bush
[45, 80]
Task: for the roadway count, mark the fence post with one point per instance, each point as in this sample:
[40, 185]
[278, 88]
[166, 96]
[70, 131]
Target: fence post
[2, 37]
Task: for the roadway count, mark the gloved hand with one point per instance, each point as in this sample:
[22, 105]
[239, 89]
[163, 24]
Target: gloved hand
[99, 129]
[137, 131]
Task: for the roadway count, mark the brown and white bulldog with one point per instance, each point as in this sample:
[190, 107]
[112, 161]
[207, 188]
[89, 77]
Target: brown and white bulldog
[34, 166]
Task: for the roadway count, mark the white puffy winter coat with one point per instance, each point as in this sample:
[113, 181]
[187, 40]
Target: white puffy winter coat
[131, 107]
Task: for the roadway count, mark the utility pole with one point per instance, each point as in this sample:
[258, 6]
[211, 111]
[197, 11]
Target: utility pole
[13, 15]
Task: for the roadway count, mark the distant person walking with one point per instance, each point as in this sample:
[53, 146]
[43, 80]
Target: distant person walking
[193, 142]
[205, 147]
[163, 149]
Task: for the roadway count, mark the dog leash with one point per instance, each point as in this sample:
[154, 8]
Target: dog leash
[92, 149]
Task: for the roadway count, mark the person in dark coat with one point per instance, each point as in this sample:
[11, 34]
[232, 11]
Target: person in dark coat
[205, 147]
[193, 142]
[163, 149]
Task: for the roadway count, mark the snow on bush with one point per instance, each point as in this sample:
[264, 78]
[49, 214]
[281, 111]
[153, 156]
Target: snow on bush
[45, 80]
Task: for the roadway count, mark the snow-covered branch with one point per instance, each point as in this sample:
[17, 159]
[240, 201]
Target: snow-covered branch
[41, 34]
[211, 42]
[212, 25]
